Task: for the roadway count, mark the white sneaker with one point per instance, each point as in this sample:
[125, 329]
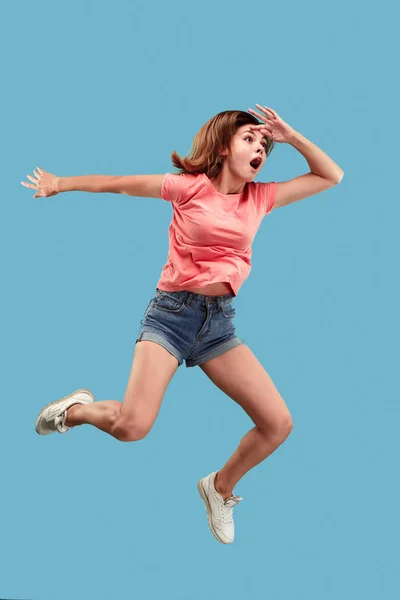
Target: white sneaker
[219, 510]
[52, 417]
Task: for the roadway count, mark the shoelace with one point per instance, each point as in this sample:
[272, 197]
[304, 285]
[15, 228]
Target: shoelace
[226, 508]
[51, 425]
[60, 423]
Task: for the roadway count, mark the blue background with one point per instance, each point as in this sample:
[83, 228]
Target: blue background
[113, 88]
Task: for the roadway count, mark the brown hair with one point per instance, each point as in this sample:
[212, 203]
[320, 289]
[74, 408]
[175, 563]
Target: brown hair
[210, 140]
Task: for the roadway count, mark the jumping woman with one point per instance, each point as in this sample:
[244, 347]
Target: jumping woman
[217, 211]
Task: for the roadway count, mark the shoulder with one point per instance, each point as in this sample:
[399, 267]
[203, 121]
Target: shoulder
[176, 187]
[264, 194]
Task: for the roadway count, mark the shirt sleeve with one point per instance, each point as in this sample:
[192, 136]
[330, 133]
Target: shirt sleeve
[265, 195]
[269, 192]
[173, 187]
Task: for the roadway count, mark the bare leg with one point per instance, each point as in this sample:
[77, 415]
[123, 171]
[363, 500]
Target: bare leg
[132, 419]
[254, 447]
[102, 415]
[240, 375]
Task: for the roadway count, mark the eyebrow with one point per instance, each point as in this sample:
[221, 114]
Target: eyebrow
[252, 133]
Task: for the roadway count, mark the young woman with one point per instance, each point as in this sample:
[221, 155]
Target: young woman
[217, 210]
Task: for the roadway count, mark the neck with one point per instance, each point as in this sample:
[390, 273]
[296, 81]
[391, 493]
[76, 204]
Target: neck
[227, 183]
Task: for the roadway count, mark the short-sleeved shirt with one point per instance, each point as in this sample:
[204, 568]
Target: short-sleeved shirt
[211, 234]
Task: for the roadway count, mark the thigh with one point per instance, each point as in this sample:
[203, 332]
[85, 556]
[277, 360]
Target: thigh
[242, 377]
[152, 369]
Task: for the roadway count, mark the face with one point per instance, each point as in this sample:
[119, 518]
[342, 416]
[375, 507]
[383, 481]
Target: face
[246, 146]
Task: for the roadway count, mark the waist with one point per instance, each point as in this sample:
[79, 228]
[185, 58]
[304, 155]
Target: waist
[213, 289]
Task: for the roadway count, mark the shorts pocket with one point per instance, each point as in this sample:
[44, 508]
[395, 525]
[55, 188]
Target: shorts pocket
[228, 310]
[146, 312]
[167, 302]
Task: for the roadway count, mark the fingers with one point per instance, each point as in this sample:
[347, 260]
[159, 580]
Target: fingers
[270, 119]
[273, 113]
[267, 110]
[258, 127]
[256, 114]
[38, 173]
[32, 187]
[268, 113]
[28, 185]
[35, 181]
[269, 134]
[261, 128]
[265, 131]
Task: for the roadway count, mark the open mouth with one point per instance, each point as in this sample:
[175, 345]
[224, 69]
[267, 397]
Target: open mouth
[256, 163]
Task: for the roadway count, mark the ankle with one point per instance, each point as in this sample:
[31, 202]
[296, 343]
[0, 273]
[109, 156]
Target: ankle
[221, 488]
[69, 418]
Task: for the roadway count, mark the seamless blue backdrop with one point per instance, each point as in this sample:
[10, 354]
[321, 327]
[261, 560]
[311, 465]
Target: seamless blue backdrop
[112, 88]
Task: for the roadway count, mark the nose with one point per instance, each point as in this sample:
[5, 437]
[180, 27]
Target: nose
[260, 147]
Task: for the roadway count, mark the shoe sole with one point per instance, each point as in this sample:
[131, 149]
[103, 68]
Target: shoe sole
[208, 507]
[62, 400]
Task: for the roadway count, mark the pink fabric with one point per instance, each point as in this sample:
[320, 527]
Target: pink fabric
[211, 234]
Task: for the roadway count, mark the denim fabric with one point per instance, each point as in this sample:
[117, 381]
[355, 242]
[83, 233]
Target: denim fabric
[192, 327]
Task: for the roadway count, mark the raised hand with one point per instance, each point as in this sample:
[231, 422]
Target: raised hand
[274, 127]
[46, 184]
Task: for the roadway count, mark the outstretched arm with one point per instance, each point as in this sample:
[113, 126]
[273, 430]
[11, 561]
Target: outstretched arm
[131, 185]
[47, 184]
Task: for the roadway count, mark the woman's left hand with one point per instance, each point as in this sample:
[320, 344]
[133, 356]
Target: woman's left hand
[274, 127]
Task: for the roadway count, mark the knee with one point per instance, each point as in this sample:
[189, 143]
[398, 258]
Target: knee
[126, 431]
[285, 426]
[281, 428]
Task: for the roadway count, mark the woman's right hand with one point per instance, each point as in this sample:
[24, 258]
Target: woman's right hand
[46, 183]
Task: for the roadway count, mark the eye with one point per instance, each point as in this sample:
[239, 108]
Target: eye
[248, 137]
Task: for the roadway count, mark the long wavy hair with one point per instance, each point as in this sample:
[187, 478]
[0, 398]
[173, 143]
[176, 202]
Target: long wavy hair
[210, 140]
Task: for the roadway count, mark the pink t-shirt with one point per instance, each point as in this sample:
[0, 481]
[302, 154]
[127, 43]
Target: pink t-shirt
[211, 234]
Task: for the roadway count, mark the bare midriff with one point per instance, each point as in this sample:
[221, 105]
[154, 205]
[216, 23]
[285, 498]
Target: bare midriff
[213, 289]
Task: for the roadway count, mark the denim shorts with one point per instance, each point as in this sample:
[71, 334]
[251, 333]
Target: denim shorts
[192, 327]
